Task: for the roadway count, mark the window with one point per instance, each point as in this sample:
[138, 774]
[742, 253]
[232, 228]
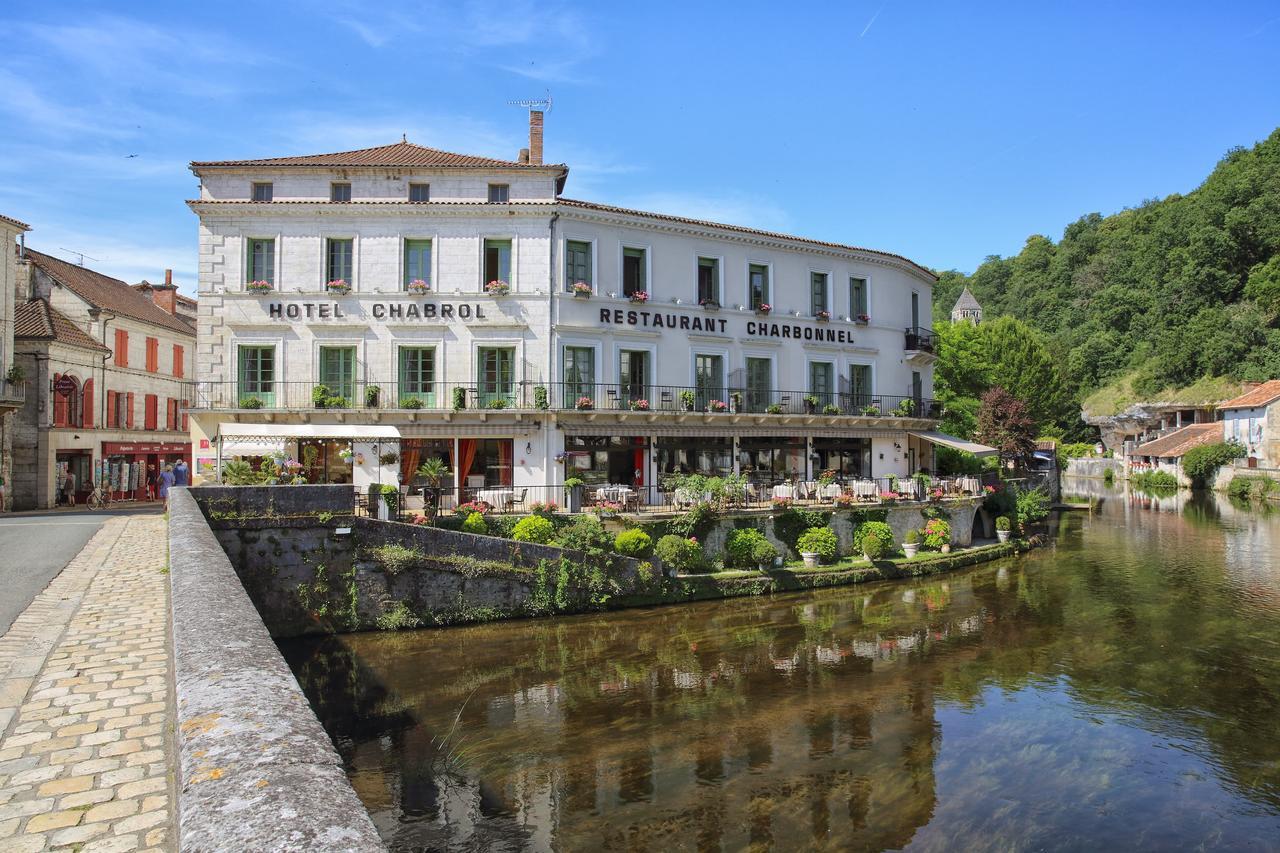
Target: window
[759, 384]
[577, 263]
[708, 281]
[129, 409]
[257, 375]
[262, 261]
[170, 414]
[151, 412]
[153, 355]
[496, 378]
[818, 293]
[419, 192]
[417, 261]
[633, 273]
[113, 413]
[339, 260]
[820, 382]
[915, 310]
[858, 301]
[66, 407]
[499, 193]
[338, 371]
[633, 375]
[757, 285]
[860, 386]
[263, 191]
[178, 355]
[497, 260]
[339, 191]
[708, 379]
[418, 375]
[186, 404]
[917, 391]
[579, 375]
[123, 405]
[122, 348]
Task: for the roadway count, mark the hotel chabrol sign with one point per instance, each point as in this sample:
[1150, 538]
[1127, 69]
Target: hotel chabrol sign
[393, 311]
[757, 328]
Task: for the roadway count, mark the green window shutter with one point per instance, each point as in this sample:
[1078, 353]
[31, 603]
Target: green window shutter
[417, 260]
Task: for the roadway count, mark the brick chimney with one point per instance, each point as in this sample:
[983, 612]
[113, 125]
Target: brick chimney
[535, 137]
[166, 295]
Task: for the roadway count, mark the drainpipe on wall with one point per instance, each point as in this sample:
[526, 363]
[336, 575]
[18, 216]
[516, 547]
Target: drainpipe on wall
[107, 317]
[548, 457]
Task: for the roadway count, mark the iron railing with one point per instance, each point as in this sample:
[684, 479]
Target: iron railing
[556, 396]
[920, 339]
[12, 393]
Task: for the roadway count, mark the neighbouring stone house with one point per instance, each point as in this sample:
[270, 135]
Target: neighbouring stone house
[12, 387]
[1253, 420]
[167, 297]
[107, 372]
[1165, 453]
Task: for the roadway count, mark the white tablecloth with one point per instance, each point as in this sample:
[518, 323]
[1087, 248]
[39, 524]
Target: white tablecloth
[830, 490]
[499, 499]
[864, 488]
[784, 492]
[970, 485]
[617, 494]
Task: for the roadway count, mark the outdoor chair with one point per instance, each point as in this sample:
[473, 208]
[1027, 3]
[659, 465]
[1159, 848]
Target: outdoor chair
[517, 499]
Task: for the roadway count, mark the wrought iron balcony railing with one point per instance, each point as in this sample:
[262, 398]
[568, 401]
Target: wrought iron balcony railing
[920, 339]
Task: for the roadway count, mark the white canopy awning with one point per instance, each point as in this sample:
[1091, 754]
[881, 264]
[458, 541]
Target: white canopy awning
[230, 433]
[956, 443]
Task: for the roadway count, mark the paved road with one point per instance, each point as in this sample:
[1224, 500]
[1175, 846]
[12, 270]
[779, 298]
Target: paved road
[35, 546]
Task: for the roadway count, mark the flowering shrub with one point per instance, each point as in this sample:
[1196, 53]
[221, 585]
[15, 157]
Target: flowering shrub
[991, 490]
[639, 405]
[827, 477]
[845, 501]
[935, 494]
[764, 308]
[781, 503]
[259, 287]
[679, 553]
[936, 533]
[581, 288]
[469, 507]
[420, 520]
[606, 507]
[419, 286]
[640, 296]
[497, 287]
[889, 497]
[338, 285]
[544, 508]
[709, 303]
[718, 406]
[585, 403]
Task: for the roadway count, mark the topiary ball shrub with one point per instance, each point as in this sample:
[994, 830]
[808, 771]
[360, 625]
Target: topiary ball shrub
[587, 534]
[821, 541]
[882, 531]
[873, 547]
[633, 543]
[475, 524]
[680, 553]
[534, 529]
[1003, 523]
[741, 546]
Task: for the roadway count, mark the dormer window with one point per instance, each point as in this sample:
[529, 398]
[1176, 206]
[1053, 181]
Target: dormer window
[419, 192]
[499, 193]
[262, 191]
[340, 191]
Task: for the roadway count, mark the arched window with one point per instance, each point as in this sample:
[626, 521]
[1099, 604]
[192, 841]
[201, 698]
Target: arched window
[67, 408]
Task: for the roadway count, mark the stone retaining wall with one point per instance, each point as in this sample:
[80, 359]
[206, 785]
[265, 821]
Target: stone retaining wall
[256, 769]
[1094, 467]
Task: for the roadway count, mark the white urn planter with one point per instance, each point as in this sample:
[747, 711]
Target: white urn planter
[810, 560]
[910, 549]
[1002, 535]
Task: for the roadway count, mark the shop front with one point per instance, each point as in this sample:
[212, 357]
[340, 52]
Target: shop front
[711, 456]
[130, 468]
[74, 463]
[600, 460]
[850, 458]
[768, 460]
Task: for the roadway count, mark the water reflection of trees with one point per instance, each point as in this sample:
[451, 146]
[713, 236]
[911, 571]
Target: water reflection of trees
[801, 720]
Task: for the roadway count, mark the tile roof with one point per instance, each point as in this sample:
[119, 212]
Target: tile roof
[38, 320]
[15, 222]
[146, 285]
[108, 293]
[967, 302]
[1177, 443]
[588, 205]
[398, 154]
[1263, 394]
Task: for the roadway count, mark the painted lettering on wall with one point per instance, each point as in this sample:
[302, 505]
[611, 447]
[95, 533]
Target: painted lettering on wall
[377, 310]
[716, 325]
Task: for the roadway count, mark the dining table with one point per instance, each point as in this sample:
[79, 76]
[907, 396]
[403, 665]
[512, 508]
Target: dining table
[499, 499]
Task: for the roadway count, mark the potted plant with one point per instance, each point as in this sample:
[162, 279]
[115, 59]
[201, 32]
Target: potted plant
[346, 454]
[827, 477]
[863, 318]
[830, 409]
[1004, 527]
[937, 534]
[735, 400]
[822, 316]
[573, 494]
[540, 399]
[389, 458]
[497, 287]
[640, 296]
[371, 395]
[810, 404]
[584, 404]
[687, 400]
[710, 304]
[259, 286]
[717, 406]
[818, 545]
[497, 403]
[433, 470]
[639, 405]
[764, 308]
[871, 411]
[764, 553]
[905, 408]
[911, 543]
[339, 286]
[411, 402]
[251, 402]
[773, 408]
[418, 286]
[459, 399]
[581, 290]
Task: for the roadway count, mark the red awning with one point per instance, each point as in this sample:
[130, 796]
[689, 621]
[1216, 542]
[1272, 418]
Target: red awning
[112, 447]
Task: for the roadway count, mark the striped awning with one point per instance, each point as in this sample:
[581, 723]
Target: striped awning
[465, 430]
[726, 430]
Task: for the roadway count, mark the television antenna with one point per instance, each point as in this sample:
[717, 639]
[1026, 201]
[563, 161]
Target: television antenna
[543, 104]
[80, 256]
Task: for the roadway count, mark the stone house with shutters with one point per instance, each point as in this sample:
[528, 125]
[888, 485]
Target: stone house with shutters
[107, 372]
[12, 387]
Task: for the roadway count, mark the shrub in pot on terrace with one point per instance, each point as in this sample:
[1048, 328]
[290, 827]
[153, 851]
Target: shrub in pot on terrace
[534, 529]
[749, 547]
[911, 543]
[411, 402]
[821, 541]
[1003, 528]
[679, 553]
[633, 543]
[883, 533]
[475, 524]
[937, 533]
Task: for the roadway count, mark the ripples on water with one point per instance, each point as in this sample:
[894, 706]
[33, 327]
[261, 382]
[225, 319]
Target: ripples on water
[1116, 691]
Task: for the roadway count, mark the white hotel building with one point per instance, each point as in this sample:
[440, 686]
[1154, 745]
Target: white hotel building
[816, 352]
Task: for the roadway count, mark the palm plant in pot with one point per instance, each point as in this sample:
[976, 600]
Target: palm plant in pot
[1003, 528]
[433, 470]
[911, 543]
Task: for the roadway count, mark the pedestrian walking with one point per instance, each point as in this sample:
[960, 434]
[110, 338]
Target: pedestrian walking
[166, 480]
[69, 489]
[181, 474]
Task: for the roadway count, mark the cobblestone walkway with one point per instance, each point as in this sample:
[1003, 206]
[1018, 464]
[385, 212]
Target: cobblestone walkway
[85, 720]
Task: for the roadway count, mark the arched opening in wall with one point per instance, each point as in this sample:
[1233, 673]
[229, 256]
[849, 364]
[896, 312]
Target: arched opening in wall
[68, 404]
[984, 526]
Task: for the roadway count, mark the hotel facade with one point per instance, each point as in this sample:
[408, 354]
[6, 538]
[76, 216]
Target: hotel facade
[406, 302]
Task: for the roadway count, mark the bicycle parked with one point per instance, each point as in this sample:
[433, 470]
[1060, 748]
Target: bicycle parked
[99, 498]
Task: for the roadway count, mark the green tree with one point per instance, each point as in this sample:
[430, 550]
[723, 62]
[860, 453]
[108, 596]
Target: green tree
[1005, 424]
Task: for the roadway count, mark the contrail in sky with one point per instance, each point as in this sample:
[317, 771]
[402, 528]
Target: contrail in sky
[873, 19]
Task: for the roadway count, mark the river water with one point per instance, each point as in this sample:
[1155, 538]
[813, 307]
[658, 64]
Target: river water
[1117, 690]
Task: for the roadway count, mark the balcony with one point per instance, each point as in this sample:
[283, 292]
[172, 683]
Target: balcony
[919, 346]
[12, 394]
[526, 397]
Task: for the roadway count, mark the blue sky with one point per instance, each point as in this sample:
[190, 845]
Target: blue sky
[943, 131]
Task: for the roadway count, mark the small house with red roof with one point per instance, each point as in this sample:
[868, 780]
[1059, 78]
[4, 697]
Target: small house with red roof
[1253, 420]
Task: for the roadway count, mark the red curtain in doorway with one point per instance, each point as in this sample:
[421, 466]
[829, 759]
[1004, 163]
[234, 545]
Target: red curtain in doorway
[638, 464]
[504, 462]
[410, 453]
[466, 457]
